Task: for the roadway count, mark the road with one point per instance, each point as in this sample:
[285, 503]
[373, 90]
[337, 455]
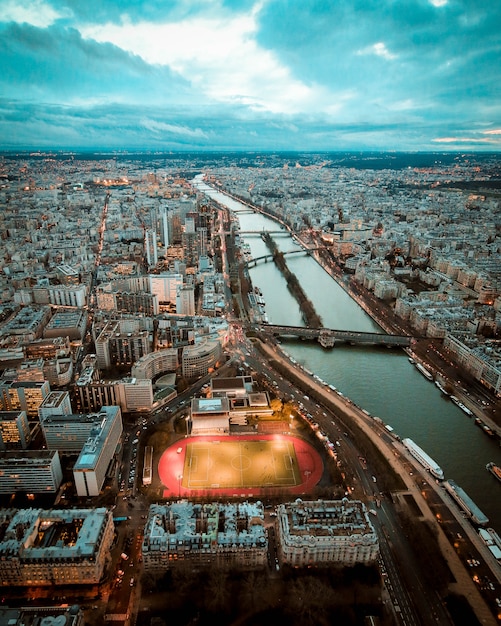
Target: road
[406, 590]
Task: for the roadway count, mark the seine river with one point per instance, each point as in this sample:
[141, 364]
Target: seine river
[380, 380]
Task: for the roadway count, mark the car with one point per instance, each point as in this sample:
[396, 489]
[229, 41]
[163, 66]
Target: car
[132, 581]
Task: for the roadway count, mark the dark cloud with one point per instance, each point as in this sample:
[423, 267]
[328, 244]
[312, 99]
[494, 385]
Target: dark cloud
[56, 64]
[123, 126]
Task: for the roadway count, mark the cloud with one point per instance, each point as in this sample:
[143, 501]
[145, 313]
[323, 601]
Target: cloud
[34, 12]
[173, 129]
[251, 73]
[378, 49]
[218, 56]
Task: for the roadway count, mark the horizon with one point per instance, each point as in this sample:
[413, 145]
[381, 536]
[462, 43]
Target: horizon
[251, 75]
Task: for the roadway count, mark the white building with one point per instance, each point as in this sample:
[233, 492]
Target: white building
[89, 471]
[201, 358]
[185, 300]
[165, 286]
[150, 246]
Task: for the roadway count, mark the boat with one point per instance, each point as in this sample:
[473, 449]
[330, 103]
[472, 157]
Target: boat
[463, 407]
[426, 373]
[494, 469]
[425, 460]
[411, 360]
[488, 431]
[442, 388]
[466, 503]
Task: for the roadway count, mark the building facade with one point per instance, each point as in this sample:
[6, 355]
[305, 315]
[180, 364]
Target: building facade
[55, 547]
[23, 395]
[200, 359]
[15, 431]
[30, 471]
[205, 535]
[89, 471]
[325, 532]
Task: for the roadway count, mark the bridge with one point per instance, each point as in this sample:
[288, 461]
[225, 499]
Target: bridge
[269, 257]
[327, 337]
[260, 232]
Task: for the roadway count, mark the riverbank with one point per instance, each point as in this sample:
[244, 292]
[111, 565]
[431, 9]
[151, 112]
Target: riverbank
[396, 457]
[427, 351]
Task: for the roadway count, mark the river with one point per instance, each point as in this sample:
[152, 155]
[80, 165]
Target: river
[380, 380]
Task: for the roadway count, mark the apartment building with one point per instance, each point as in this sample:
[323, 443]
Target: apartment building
[15, 431]
[325, 532]
[205, 535]
[30, 471]
[54, 547]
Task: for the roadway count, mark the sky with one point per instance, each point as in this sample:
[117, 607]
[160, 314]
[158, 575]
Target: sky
[308, 75]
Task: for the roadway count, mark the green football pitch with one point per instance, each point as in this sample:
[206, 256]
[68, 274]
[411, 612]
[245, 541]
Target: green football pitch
[234, 464]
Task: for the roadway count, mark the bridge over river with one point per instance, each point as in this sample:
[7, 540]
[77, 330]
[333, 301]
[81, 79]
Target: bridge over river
[269, 257]
[327, 337]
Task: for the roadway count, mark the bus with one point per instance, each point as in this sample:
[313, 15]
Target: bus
[148, 465]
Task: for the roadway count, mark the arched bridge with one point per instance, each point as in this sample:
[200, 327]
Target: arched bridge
[327, 337]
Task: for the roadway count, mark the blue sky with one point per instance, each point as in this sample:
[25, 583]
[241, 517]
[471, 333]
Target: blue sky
[251, 74]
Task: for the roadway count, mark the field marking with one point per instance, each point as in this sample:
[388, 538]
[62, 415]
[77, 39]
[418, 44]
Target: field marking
[235, 465]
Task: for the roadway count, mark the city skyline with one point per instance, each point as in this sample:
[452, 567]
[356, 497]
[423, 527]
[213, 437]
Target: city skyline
[251, 75]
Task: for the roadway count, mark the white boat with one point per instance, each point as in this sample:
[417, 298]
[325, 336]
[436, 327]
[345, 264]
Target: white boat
[425, 460]
[463, 408]
[422, 369]
[442, 388]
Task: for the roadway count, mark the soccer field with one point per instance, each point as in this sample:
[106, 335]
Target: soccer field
[245, 464]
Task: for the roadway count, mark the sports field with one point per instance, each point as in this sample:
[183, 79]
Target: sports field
[240, 464]
[243, 465]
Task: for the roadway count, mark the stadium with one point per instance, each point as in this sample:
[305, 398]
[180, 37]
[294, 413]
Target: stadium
[239, 466]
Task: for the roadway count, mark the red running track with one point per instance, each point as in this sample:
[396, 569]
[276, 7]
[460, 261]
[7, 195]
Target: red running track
[171, 466]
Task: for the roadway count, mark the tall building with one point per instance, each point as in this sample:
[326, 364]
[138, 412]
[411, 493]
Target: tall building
[114, 348]
[325, 532]
[202, 242]
[165, 286]
[185, 300]
[155, 363]
[69, 433]
[23, 395]
[64, 295]
[150, 246]
[30, 471]
[89, 471]
[14, 430]
[164, 228]
[190, 241]
[55, 547]
[56, 403]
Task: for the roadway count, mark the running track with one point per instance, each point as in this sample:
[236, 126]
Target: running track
[171, 465]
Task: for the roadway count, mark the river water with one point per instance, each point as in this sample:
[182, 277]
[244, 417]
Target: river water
[380, 380]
